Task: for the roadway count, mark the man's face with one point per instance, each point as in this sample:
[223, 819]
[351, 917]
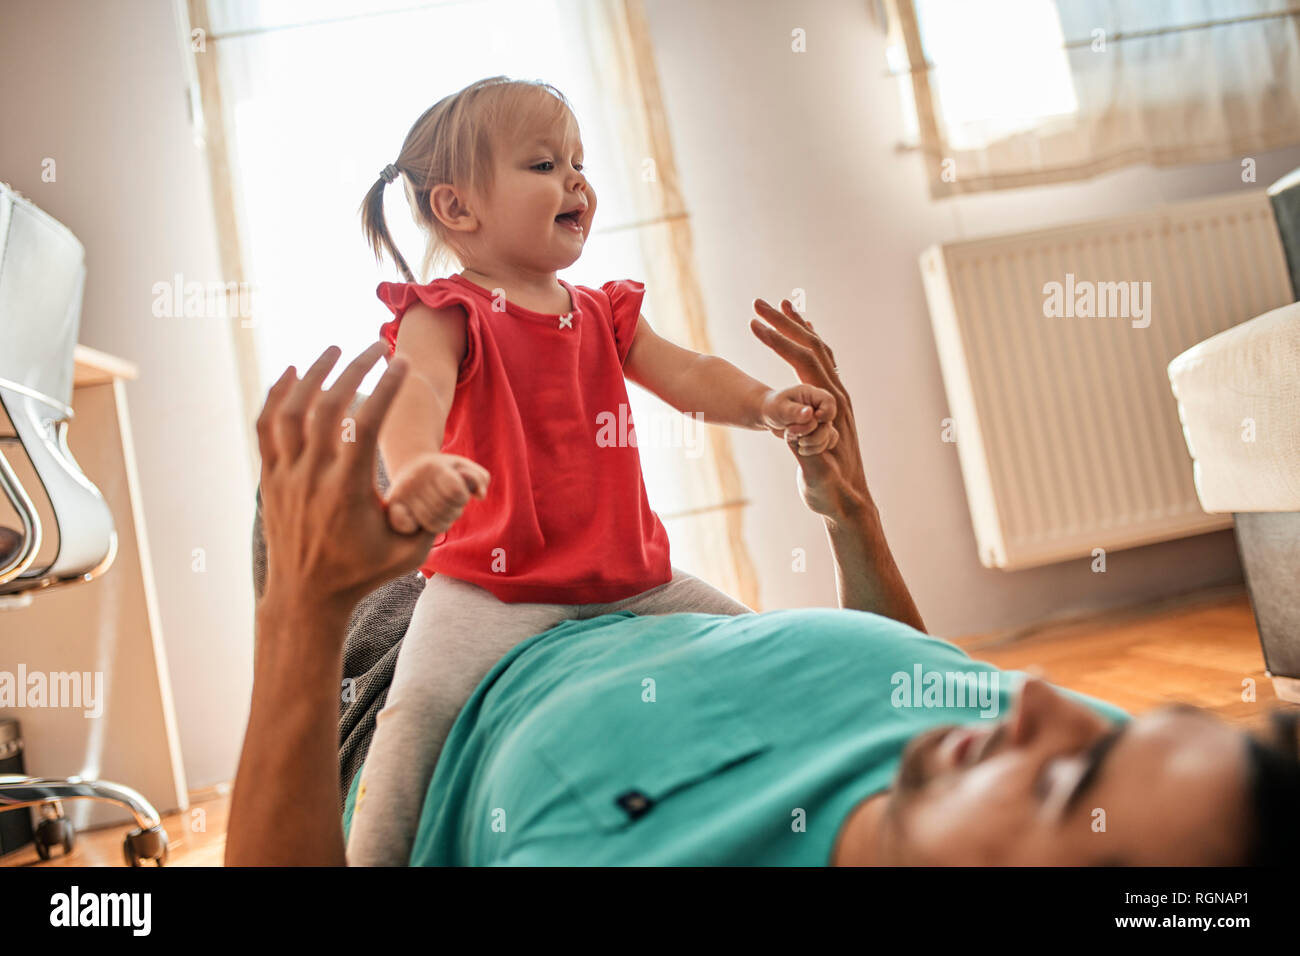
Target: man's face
[1056, 783]
[537, 177]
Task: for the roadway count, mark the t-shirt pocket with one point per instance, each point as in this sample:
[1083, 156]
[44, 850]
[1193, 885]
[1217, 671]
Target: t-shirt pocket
[632, 754]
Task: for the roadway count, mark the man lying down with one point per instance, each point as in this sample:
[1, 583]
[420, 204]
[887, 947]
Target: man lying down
[800, 737]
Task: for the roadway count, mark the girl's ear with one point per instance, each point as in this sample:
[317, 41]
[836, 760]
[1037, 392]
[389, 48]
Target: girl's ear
[449, 207]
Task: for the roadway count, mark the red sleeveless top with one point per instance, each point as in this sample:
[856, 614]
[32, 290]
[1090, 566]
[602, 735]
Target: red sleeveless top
[566, 519]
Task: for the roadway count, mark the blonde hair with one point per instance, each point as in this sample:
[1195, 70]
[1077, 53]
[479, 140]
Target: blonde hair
[452, 142]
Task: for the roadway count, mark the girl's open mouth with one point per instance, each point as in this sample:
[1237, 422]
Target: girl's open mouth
[569, 220]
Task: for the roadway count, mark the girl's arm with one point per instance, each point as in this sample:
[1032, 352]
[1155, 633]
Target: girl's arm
[691, 382]
[433, 342]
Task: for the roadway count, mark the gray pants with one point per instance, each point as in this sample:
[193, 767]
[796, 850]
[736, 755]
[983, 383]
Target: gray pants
[458, 631]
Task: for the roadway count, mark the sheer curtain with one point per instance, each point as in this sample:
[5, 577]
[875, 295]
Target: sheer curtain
[316, 97]
[1020, 92]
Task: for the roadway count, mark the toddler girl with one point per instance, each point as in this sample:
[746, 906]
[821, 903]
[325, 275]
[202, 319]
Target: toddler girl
[492, 442]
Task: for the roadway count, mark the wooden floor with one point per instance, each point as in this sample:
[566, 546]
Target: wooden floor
[1199, 653]
[1204, 653]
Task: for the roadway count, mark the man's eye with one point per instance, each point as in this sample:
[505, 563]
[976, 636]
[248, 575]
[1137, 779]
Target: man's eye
[1059, 775]
[1043, 782]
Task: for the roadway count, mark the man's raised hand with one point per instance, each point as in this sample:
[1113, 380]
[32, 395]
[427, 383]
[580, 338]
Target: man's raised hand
[328, 538]
[832, 483]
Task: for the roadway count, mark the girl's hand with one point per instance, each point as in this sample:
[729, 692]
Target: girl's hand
[802, 415]
[430, 493]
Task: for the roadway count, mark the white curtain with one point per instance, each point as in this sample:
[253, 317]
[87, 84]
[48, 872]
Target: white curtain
[316, 98]
[1019, 92]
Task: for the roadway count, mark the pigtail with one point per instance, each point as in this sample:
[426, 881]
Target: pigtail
[375, 228]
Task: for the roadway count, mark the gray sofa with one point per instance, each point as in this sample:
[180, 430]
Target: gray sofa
[1238, 398]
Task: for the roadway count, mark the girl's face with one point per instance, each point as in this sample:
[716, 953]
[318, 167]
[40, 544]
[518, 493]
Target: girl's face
[541, 206]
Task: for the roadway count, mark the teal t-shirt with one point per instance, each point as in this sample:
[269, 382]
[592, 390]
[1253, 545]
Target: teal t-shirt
[692, 739]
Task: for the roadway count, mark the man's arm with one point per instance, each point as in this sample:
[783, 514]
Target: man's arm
[833, 484]
[865, 573]
[328, 544]
[284, 809]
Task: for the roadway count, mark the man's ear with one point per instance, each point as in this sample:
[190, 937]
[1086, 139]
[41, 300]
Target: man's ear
[451, 209]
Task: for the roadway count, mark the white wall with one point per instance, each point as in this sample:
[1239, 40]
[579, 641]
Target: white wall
[99, 88]
[791, 174]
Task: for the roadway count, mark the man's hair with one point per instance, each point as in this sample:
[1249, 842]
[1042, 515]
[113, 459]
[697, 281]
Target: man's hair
[1274, 781]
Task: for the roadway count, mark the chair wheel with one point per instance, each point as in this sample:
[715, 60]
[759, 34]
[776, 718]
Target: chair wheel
[141, 845]
[52, 832]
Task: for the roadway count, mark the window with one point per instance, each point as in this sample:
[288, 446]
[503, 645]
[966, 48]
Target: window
[982, 91]
[1005, 93]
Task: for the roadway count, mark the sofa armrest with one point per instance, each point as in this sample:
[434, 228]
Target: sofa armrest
[1238, 398]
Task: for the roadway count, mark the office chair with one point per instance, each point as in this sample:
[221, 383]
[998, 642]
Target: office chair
[42, 276]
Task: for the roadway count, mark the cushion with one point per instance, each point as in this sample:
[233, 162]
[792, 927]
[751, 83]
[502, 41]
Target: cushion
[1239, 401]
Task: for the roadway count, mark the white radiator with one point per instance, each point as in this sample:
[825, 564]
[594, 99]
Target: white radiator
[1066, 429]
